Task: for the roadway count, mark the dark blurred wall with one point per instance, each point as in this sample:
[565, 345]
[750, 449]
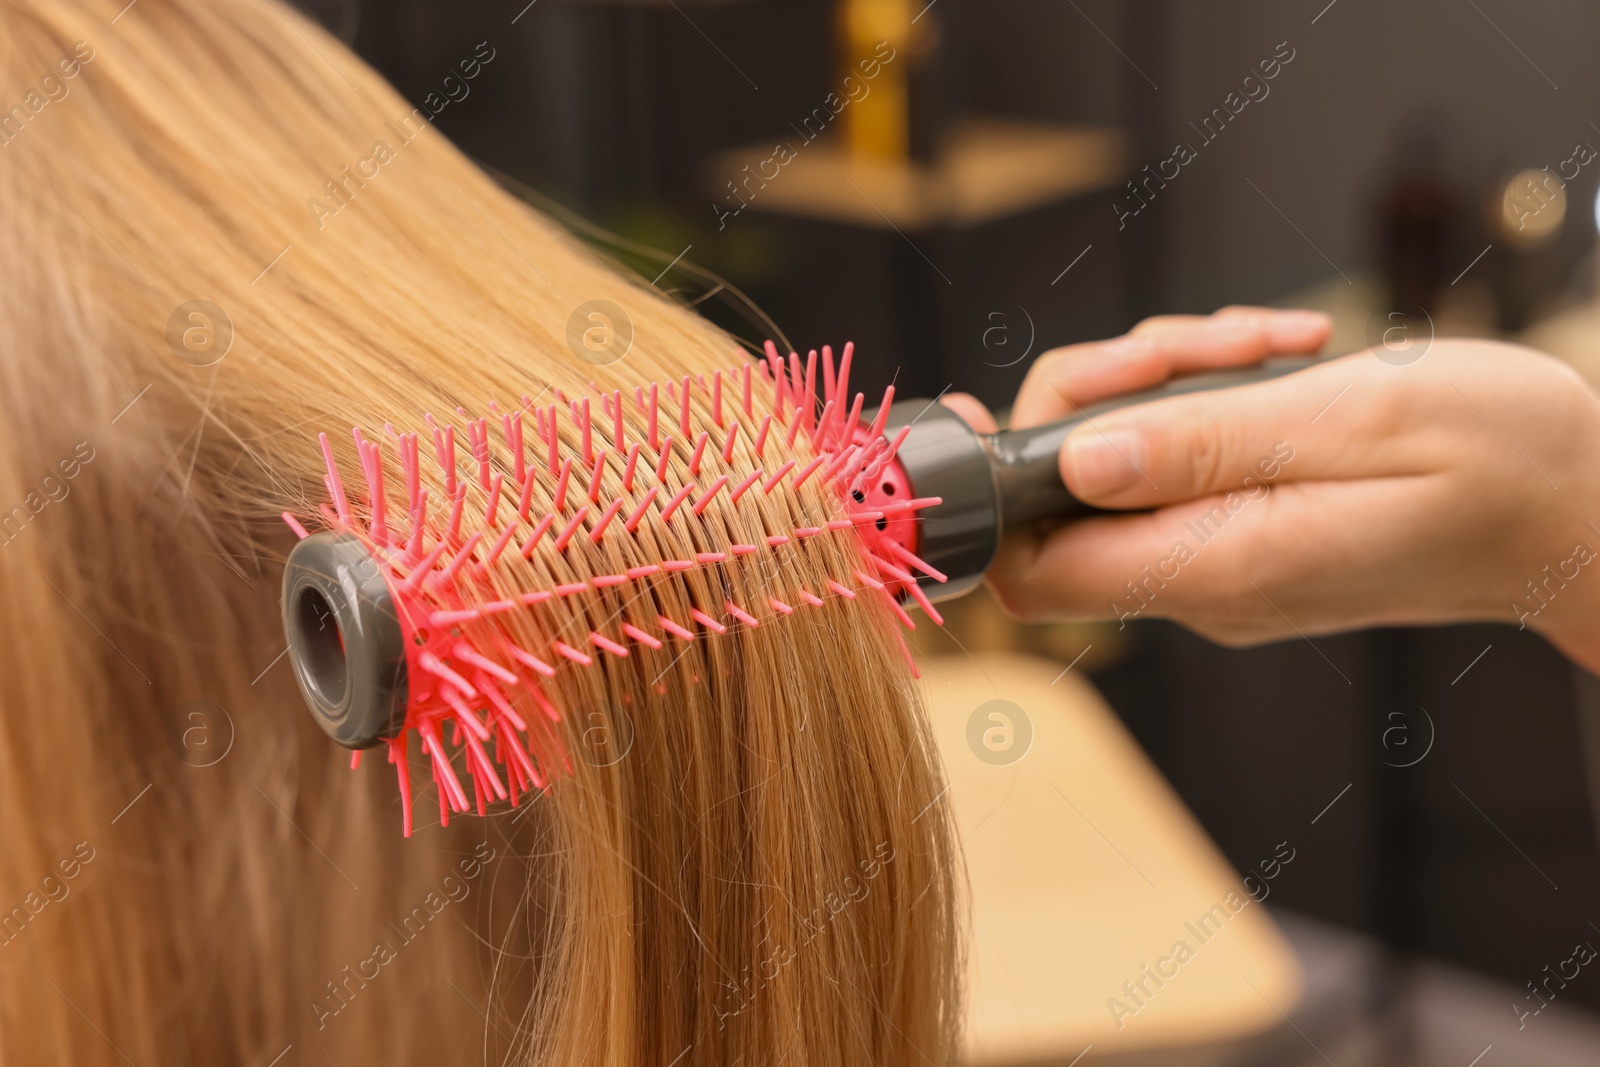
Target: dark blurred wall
[1041, 59]
[1318, 144]
[605, 104]
[1431, 781]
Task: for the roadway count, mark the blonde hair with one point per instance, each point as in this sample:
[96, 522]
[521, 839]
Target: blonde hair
[766, 873]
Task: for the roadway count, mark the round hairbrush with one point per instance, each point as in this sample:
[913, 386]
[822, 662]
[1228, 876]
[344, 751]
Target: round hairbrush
[396, 622]
[396, 610]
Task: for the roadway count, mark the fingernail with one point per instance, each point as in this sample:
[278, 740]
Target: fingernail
[1105, 463]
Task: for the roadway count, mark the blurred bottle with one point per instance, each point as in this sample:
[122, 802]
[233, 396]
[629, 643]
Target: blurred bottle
[1419, 221]
[900, 114]
[878, 125]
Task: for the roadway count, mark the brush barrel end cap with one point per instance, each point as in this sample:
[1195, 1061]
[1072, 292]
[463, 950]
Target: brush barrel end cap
[942, 456]
[346, 643]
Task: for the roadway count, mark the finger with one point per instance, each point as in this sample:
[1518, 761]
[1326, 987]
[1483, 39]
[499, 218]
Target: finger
[1162, 322]
[1233, 310]
[1236, 336]
[1229, 440]
[1082, 570]
[1066, 379]
[971, 411]
[1204, 563]
[1159, 563]
[1289, 331]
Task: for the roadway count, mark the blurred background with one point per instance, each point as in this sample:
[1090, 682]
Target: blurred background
[957, 186]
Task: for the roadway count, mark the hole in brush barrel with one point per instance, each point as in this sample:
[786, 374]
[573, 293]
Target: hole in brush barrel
[319, 646]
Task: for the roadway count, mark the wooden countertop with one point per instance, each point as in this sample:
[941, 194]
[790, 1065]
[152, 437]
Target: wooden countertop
[1084, 867]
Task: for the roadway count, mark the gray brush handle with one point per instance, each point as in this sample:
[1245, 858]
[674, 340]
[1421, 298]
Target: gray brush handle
[991, 483]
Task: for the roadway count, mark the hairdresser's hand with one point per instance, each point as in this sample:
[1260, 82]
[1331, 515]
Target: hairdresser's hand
[1354, 493]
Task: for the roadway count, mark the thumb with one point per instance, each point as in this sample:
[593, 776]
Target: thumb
[1192, 446]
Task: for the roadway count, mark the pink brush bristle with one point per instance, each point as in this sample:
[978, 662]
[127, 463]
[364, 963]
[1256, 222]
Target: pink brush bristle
[467, 673]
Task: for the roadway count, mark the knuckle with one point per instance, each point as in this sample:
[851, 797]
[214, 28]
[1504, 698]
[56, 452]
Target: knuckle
[1575, 392]
[1204, 455]
[1388, 412]
[1235, 622]
[1036, 383]
[1043, 362]
[1231, 635]
[1575, 411]
[1008, 581]
[1013, 597]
